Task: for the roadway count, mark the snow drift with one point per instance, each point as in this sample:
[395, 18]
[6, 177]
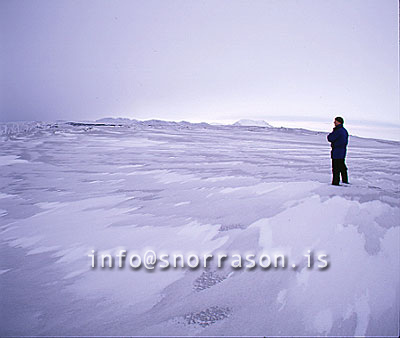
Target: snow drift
[67, 189]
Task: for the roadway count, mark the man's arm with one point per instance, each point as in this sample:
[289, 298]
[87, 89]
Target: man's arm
[332, 136]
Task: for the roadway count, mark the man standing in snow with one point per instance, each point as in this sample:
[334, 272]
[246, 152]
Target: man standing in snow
[338, 139]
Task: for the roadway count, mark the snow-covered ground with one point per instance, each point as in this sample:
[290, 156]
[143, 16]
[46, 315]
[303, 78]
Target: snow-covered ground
[181, 187]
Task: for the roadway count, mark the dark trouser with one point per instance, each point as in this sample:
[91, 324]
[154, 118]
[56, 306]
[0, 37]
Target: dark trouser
[339, 168]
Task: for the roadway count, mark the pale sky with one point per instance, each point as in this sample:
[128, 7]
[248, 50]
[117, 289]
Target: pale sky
[277, 60]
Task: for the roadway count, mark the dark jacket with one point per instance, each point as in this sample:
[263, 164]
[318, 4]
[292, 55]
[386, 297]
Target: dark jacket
[338, 139]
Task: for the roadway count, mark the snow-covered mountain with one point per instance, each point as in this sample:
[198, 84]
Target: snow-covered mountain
[252, 123]
[180, 188]
[116, 120]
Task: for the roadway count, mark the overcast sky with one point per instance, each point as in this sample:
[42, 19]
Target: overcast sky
[200, 60]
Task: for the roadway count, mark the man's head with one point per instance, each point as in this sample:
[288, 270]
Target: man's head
[338, 120]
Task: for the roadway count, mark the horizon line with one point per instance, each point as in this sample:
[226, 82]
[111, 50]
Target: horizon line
[221, 123]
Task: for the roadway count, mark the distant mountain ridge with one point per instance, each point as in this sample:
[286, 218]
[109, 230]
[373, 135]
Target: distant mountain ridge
[116, 120]
[123, 120]
[252, 123]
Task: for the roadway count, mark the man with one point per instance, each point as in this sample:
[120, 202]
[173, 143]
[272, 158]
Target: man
[339, 139]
